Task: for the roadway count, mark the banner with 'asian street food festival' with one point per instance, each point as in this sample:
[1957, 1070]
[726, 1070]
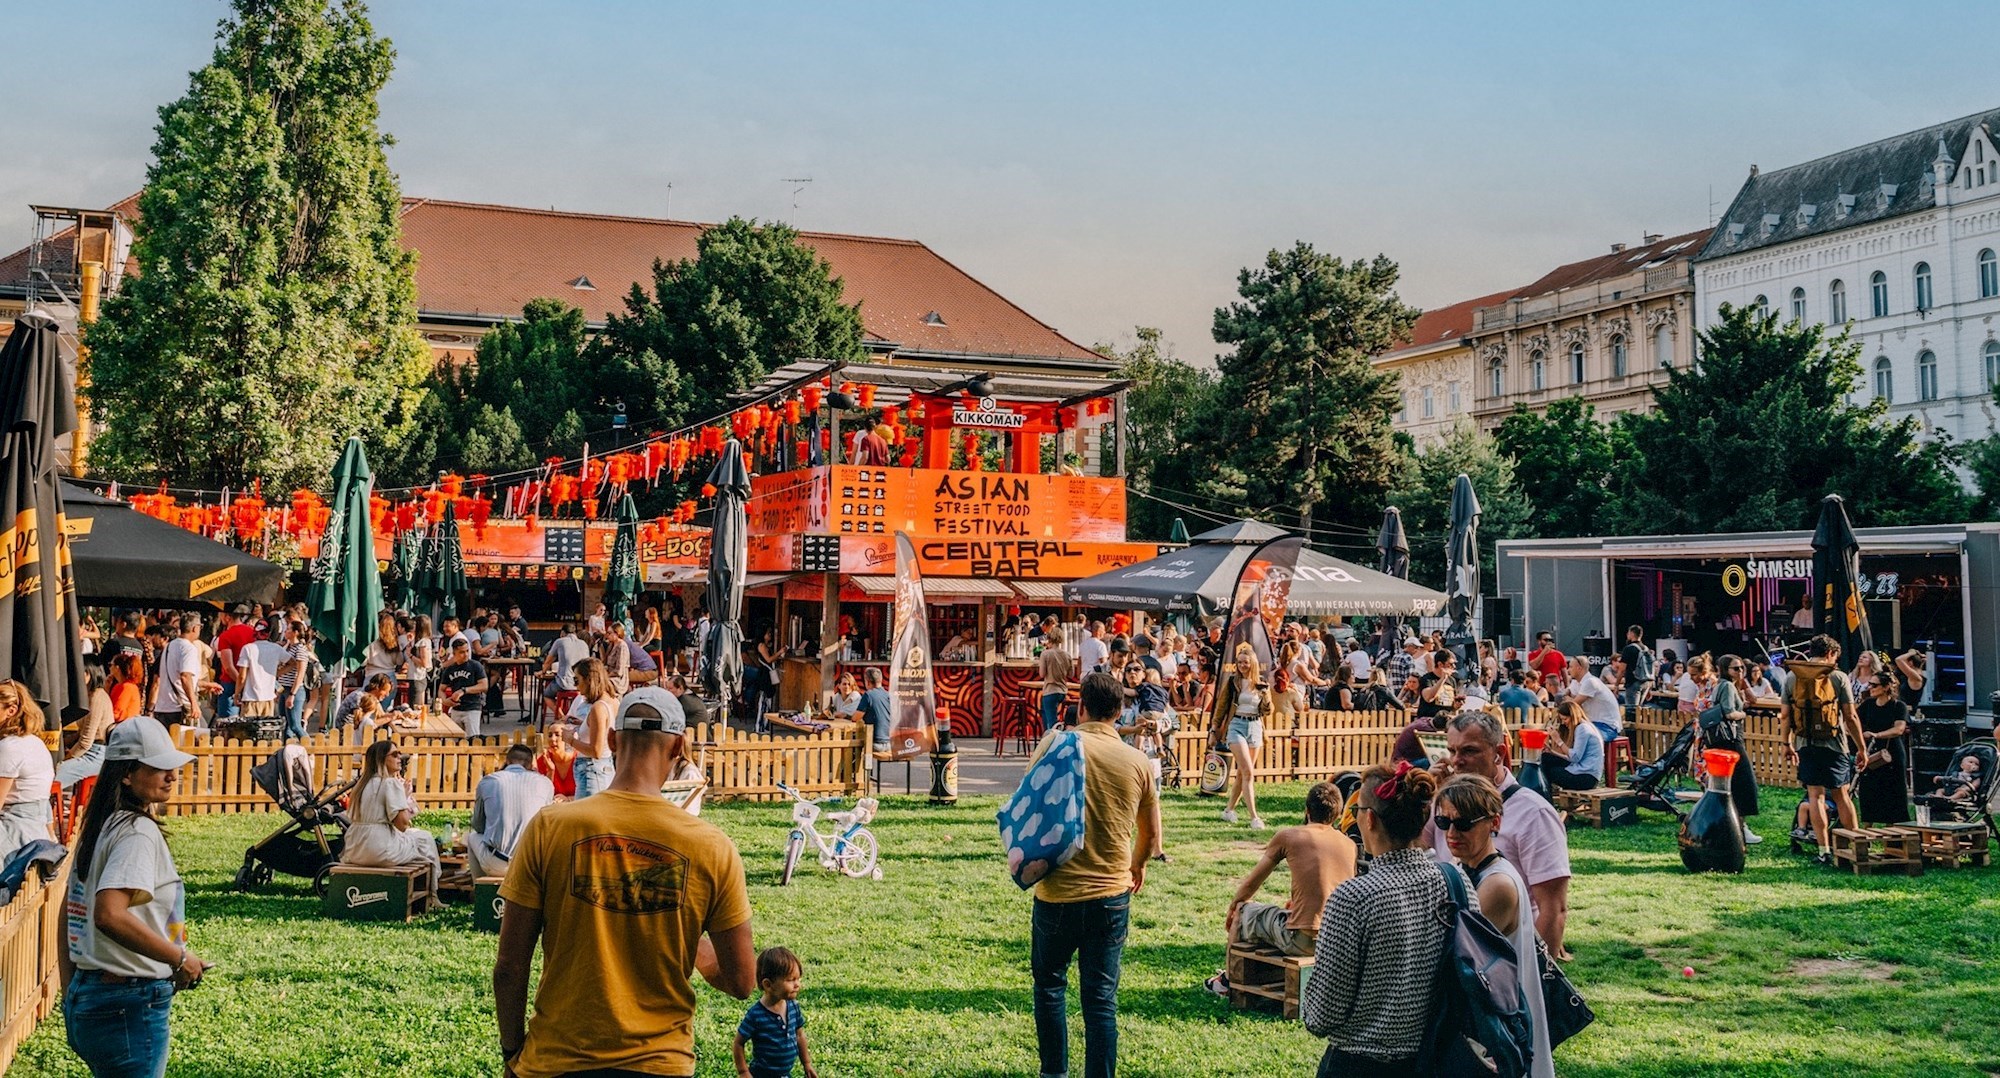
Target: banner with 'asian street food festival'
[913, 729]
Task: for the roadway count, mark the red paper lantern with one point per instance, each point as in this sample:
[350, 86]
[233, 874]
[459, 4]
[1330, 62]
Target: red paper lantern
[590, 509]
[708, 490]
[812, 396]
[792, 411]
[865, 396]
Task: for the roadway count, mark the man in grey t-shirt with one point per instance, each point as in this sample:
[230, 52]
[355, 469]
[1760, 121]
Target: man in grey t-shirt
[564, 652]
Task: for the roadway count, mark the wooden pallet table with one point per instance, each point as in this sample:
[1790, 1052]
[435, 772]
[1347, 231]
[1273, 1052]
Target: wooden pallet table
[1955, 845]
[1266, 980]
[1869, 850]
[1606, 806]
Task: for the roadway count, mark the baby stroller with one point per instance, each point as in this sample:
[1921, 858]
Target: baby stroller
[1657, 782]
[1945, 807]
[307, 846]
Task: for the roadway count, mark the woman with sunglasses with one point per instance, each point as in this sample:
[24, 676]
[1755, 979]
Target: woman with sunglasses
[383, 808]
[1885, 724]
[1468, 813]
[1373, 986]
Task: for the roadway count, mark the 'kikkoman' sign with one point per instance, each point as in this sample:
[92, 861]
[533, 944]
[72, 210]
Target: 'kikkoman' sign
[988, 414]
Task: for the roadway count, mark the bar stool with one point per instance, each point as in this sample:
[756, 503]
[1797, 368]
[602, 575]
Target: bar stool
[1616, 749]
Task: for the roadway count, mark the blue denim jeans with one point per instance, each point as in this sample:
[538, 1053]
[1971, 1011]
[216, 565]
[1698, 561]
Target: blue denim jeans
[118, 1030]
[294, 707]
[1052, 708]
[593, 776]
[1093, 933]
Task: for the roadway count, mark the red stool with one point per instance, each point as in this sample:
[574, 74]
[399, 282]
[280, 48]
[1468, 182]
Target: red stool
[1616, 749]
[561, 702]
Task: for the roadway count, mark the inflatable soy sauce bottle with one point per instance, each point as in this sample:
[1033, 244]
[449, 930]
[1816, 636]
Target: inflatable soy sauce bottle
[1533, 741]
[1712, 835]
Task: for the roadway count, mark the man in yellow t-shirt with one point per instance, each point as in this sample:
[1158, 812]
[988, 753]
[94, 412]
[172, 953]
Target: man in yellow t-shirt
[1083, 908]
[620, 889]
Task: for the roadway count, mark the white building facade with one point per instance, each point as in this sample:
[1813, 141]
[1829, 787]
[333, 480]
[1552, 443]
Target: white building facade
[1899, 241]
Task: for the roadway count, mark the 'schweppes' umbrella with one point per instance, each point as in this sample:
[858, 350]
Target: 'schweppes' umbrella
[728, 554]
[1837, 608]
[451, 562]
[40, 644]
[346, 592]
[1461, 560]
[122, 557]
[621, 577]
[1392, 557]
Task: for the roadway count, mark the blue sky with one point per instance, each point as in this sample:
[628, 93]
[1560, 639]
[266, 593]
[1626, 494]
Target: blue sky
[1103, 165]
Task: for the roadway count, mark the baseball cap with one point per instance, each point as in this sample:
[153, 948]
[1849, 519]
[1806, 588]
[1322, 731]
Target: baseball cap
[142, 738]
[650, 707]
[1143, 642]
[240, 609]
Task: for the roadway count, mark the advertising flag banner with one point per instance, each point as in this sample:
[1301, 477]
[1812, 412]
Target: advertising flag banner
[914, 729]
[1257, 609]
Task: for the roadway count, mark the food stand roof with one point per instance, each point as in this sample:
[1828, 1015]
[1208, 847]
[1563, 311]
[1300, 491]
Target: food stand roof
[1202, 576]
[935, 585]
[123, 556]
[895, 384]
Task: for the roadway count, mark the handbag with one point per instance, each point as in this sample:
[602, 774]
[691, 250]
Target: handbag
[1718, 728]
[1563, 1007]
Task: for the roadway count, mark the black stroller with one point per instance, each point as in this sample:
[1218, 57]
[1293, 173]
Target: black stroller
[1657, 782]
[1945, 807]
[309, 845]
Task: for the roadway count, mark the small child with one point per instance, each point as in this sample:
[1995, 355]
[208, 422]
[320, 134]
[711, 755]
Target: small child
[1966, 780]
[774, 1026]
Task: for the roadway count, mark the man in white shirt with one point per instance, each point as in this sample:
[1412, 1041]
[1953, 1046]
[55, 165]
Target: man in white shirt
[1091, 652]
[257, 677]
[1358, 662]
[1600, 704]
[177, 699]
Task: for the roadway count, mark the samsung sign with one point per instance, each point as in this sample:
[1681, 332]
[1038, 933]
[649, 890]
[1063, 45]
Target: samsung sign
[987, 415]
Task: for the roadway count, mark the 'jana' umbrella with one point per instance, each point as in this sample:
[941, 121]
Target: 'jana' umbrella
[621, 577]
[40, 644]
[728, 555]
[1461, 552]
[451, 562]
[1837, 606]
[346, 592]
[1392, 554]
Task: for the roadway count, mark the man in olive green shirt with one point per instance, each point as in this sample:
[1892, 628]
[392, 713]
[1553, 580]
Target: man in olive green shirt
[1082, 909]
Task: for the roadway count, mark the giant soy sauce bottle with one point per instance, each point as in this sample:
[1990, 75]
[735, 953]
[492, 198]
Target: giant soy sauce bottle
[1533, 741]
[1712, 834]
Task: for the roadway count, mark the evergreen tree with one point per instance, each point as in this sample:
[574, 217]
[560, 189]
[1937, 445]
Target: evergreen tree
[274, 310]
[1753, 435]
[753, 298]
[1423, 494]
[1567, 463]
[1299, 422]
[1167, 399]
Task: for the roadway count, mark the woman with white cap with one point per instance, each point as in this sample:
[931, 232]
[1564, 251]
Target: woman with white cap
[127, 911]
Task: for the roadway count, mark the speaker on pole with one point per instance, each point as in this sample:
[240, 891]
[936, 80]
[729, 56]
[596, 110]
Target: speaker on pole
[1497, 615]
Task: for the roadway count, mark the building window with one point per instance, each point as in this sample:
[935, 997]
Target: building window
[1496, 376]
[1618, 356]
[1536, 371]
[1763, 305]
[1878, 295]
[1921, 276]
[1429, 408]
[1452, 389]
[1885, 380]
[1927, 378]
[1576, 363]
[1403, 407]
[1798, 305]
[1993, 365]
[1663, 348]
[1836, 303]
[1989, 275]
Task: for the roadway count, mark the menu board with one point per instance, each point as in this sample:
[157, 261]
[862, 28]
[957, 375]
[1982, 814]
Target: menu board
[563, 544]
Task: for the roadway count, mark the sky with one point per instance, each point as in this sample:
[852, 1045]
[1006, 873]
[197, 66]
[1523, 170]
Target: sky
[1104, 166]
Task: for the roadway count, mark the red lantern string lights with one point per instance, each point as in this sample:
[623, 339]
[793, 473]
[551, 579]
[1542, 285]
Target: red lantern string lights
[865, 396]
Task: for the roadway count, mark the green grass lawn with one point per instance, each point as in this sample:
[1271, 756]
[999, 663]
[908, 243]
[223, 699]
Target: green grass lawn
[1798, 970]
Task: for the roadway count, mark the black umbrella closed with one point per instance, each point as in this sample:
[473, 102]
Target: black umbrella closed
[1837, 580]
[1461, 571]
[1392, 557]
[122, 557]
[40, 644]
[728, 555]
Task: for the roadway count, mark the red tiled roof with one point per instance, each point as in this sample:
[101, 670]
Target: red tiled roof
[488, 261]
[1446, 324]
[1617, 263]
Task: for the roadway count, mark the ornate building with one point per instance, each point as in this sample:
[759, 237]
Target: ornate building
[1604, 329]
[1435, 370]
[1895, 241]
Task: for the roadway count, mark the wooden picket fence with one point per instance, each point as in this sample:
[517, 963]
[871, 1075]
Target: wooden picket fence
[1321, 744]
[31, 931]
[446, 771]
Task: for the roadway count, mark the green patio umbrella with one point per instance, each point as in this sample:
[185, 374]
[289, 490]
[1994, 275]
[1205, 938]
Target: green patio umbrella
[449, 583]
[346, 593]
[408, 553]
[1179, 533]
[622, 579]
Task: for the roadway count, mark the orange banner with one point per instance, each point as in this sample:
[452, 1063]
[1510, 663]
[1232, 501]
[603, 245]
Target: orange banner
[854, 500]
[1024, 559]
[512, 541]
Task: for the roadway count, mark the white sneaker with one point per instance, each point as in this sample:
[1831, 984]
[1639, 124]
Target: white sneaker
[1228, 815]
[1751, 838]
[1256, 823]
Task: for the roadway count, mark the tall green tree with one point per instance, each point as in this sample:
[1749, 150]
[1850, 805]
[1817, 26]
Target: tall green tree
[1423, 493]
[274, 311]
[1299, 424]
[1567, 462]
[754, 297]
[1756, 432]
[1167, 400]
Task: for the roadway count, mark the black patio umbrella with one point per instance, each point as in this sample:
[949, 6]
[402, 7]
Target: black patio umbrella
[728, 555]
[1392, 557]
[1837, 608]
[1461, 560]
[1201, 578]
[122, 557]
[622, 579]
[40, 643]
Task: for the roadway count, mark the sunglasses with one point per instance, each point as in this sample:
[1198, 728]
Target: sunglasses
[1458, 823]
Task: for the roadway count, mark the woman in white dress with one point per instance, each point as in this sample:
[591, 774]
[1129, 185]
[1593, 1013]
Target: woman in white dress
[1468, 810]
[381, 835]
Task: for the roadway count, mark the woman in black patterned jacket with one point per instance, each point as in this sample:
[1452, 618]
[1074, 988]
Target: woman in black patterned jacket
[1375, 969]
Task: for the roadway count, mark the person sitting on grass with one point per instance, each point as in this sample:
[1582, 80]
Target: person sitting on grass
[774, 1028]
[1321, 859]
[1574, 758]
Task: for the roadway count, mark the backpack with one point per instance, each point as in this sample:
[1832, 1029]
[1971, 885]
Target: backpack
[1041, 826]
[1644, 672]
[1482, 1025]
[1815, 702]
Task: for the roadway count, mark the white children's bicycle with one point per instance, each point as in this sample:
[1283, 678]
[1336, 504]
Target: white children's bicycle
[851, 850]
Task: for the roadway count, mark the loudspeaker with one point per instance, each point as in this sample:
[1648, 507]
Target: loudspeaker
[1497, 614]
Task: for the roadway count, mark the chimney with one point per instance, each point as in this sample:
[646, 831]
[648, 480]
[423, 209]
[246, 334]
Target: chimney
[1651, 237]
[1617, 247]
